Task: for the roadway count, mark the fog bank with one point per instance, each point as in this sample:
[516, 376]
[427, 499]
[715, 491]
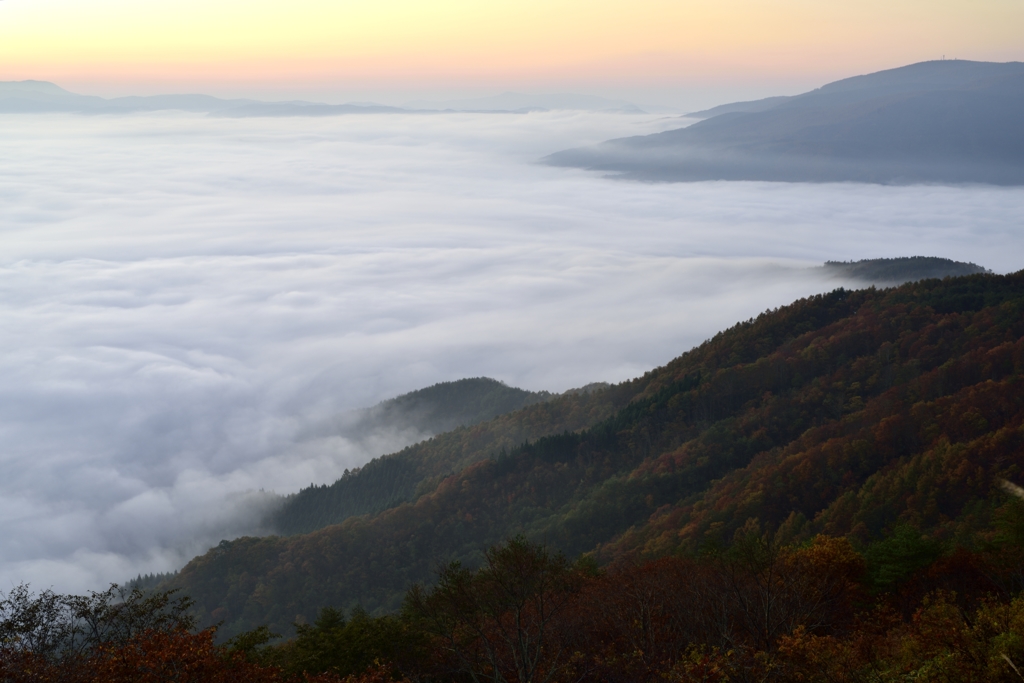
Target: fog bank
[187, 301]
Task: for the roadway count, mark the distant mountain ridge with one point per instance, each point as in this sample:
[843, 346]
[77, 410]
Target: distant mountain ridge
[739, 107]
[941, 121]
[37, 97]
[512, 101]
[25, 97]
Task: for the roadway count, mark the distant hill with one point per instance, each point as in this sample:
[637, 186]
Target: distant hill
[845, 413]
[147, 582]
[446, 405]
[949, 121]
[739, 107]
[408, 418]
[302, 109]
[896, 271]
[452, 407]
[37, 97]
[520, 102]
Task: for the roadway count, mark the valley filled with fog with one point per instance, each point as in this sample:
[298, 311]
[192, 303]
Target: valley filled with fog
[190, 302]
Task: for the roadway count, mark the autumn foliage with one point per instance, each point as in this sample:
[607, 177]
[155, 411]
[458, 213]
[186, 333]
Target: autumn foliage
[846, 414]
[177, 656]
[813, 495]
[759, 610]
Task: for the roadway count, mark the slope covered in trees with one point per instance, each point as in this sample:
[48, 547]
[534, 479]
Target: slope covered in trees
[903, 608]
[393, 479]
[896, 271]
[448, 405]
[853, 414]
[761, 611]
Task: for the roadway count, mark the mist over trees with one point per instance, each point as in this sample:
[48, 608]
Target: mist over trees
[455, 407]
[818, 494]
[895, 271]
[846, 414]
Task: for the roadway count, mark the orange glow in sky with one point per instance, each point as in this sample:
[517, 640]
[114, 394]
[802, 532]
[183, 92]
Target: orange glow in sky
[206, 45]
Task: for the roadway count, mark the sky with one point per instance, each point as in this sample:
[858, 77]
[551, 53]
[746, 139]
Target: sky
[190, 302]
[687, 53]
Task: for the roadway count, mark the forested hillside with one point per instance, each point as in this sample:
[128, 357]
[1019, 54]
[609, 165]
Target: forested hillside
[896, 271]
[386, 481]
[446, 406]
[904, 608]
[850, 413]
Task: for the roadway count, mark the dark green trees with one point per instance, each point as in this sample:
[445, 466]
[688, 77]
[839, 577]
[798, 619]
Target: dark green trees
[498, 624]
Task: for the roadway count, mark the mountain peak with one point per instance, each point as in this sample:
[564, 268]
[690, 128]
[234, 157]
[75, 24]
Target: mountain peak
[33, 86]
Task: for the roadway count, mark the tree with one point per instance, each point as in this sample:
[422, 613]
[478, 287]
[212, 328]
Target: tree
[498, 624]
[113, 636]
[894, 558]
[63, 627]
[351, 647]
[774, 589]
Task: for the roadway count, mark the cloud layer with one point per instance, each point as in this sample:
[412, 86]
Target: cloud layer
[186, 302]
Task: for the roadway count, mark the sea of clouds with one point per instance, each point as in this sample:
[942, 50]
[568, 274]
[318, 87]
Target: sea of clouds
[186, 301]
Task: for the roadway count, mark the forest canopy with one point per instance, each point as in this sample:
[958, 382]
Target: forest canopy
[853, 414]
